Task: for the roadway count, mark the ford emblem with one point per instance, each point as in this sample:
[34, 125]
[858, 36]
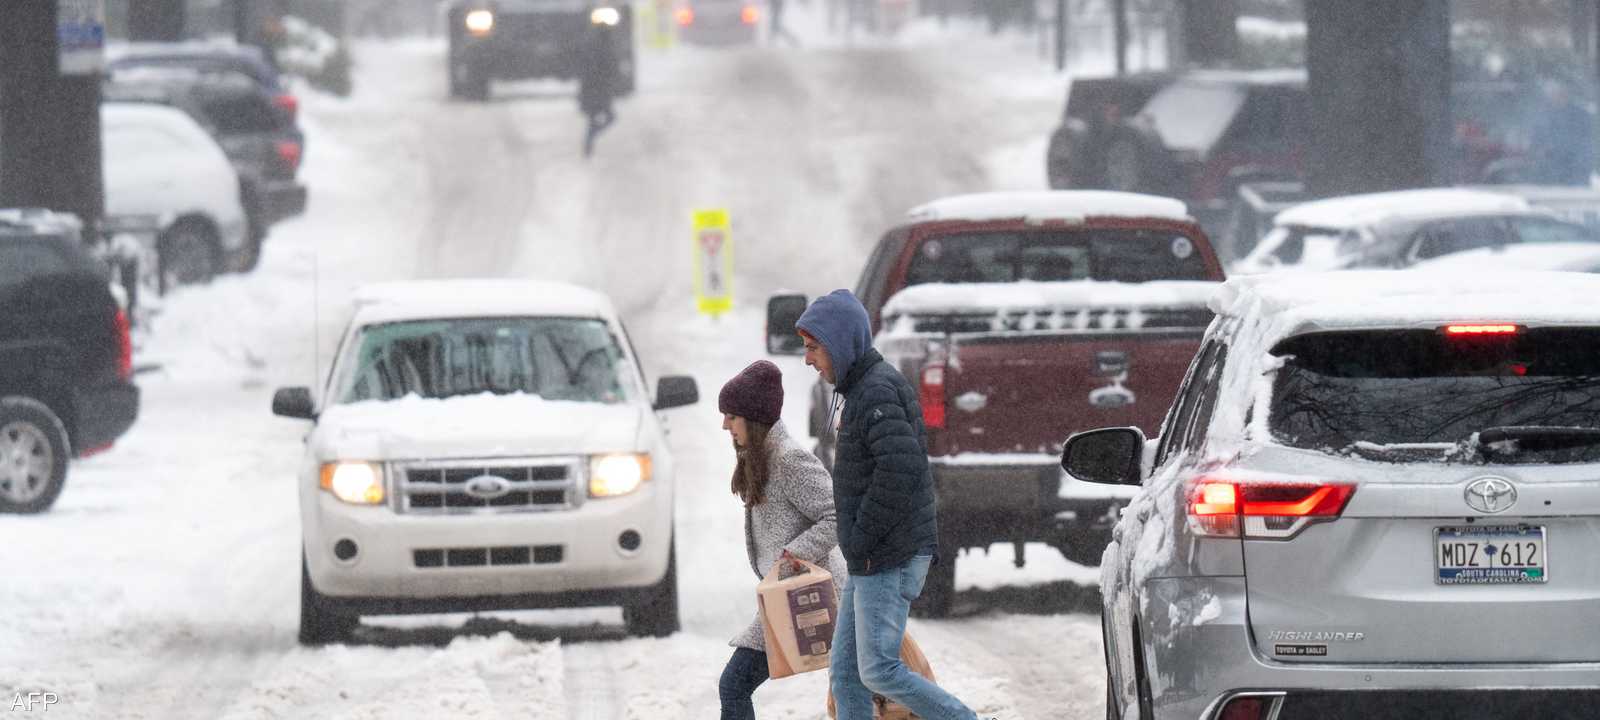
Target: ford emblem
[488, 487]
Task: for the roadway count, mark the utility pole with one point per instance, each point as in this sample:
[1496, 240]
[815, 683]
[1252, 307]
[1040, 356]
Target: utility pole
[156, 20]
[50, 59]
[1119, 32]
[1379, 79]
[1061, 35]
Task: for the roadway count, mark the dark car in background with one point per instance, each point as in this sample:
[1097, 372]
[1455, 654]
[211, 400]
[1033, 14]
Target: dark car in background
[66, 358]
[253, 127]
[523, 39]
[1202, 135]
[718, 22]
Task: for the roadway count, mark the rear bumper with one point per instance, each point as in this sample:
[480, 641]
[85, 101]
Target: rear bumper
[281, 200]
[1195, 665]
[1021, 499]
[103, 414]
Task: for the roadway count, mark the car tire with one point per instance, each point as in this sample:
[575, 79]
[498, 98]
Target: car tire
[187, 255]
[319, 624]
[34, 453]
[656, 613]
[939, 590]
[469, 81]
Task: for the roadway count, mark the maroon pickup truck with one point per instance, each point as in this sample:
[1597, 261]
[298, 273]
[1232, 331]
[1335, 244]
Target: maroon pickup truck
[1023, 318]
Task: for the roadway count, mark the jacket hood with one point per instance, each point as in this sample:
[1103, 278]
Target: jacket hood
[839, 321]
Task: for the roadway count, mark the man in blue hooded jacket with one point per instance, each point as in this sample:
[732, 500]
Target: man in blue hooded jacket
[887, 513]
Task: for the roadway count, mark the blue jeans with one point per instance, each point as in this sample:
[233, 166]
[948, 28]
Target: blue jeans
[745, 672]
[866, 647]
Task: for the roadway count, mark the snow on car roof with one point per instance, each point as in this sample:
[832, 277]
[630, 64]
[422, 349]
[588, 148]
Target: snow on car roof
[1294, 303]
[1062, 205]
[1564, 256]
[1352, 211]
[419, 299]
[942, 298]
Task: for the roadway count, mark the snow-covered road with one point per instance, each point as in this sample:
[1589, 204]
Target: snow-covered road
[164, 582]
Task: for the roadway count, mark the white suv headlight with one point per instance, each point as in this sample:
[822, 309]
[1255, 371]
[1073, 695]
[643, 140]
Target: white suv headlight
[480, 22]
[360, 483]
[613, 475]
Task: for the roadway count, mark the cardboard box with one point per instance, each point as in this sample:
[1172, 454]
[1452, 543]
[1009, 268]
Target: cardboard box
[797, 616]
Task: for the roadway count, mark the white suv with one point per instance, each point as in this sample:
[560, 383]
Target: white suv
[485, 445]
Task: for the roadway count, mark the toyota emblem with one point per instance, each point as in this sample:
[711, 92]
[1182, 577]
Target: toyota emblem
[1491, 494]
[487, 487]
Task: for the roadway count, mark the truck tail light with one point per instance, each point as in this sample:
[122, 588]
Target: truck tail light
[1263, 509]
[750, 15]
[289, 152]
[289, 104]
[685, 16]
[931, 395]
[124, 345]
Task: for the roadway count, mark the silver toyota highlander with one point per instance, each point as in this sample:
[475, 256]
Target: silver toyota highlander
[1376, 495]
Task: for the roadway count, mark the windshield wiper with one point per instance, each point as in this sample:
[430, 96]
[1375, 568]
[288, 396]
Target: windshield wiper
[1390, 451]
[1509, 439]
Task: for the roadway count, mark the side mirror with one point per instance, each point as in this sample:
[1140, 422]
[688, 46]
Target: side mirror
[676, 391]
[783, 311]
[293, 402]
[1111, 456]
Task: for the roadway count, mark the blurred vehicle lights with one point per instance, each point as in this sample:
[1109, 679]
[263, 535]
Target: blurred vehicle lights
[480, 22]
[613, 475]
[359, 483]
[605, 16]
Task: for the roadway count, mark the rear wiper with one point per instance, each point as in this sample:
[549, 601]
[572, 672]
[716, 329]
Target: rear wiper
[1508, 439]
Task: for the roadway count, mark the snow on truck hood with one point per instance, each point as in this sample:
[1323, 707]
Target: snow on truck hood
[1059, 205]
[949, 298]
[478, 426]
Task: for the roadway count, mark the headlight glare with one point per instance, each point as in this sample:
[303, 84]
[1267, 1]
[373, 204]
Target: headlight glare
[605, 16]
[359, 483]
[613, 475]
[480, 22]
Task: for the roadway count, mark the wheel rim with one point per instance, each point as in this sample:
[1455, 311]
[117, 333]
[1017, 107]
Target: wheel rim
[1122, 167]
[26, 463]
[187, 259]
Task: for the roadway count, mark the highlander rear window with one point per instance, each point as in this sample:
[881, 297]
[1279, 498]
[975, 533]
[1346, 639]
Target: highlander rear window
[554, 358]
[1044, 256]
[1423, 395]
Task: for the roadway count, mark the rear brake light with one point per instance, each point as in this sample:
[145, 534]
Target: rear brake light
[1264, 509]
[289, 153]
[288, 104]
[931, 396]
[750, 15]
[1499, 329]
[685, 16]
[124, 345]
[1249, 708]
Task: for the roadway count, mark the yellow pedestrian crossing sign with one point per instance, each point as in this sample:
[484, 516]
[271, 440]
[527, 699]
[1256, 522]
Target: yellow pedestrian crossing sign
[713, 261]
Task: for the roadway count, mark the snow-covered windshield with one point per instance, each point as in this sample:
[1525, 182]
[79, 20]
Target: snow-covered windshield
[1422, 395]
[1054, 256]
[1192, 115]
[553, 358]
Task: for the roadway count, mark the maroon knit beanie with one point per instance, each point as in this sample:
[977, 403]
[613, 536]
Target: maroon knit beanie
[756, 393]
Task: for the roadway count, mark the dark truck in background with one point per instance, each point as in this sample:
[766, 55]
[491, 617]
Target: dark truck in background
[522, 39]
[1022, 318]
[66, 358]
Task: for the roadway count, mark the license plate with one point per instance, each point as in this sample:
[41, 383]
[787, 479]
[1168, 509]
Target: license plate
[1489, 555]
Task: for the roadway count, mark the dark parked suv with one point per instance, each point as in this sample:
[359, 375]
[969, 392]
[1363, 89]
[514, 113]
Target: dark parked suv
[255, 130]
[66, 360]
[519, 39]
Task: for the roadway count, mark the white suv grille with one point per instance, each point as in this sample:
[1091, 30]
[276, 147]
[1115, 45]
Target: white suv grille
[465, 487]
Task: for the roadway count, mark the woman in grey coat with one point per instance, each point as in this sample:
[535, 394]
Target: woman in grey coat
[788, 512]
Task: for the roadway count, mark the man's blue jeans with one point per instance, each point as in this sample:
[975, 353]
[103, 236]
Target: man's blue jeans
[866, 647]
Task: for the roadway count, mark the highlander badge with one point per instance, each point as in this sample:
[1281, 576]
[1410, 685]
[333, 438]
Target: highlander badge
[488, 487]
[1491, 494]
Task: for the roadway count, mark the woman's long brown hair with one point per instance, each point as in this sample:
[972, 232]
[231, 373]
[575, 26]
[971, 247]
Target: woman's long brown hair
[750, 475]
